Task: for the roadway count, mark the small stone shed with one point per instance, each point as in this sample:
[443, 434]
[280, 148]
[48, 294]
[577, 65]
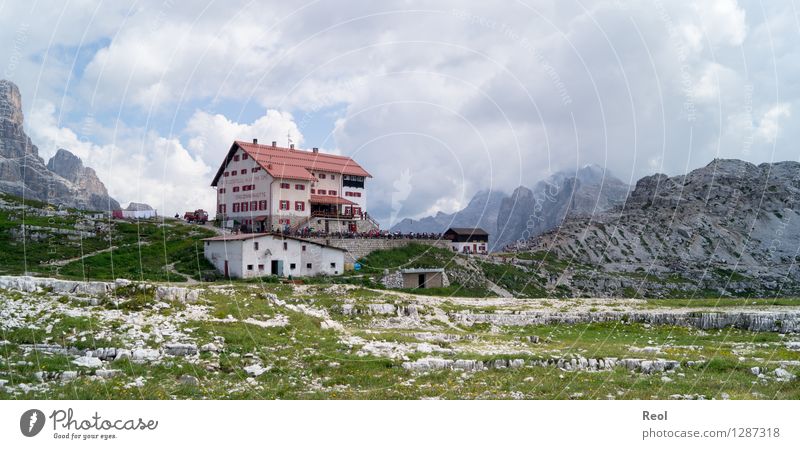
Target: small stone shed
[415, 278]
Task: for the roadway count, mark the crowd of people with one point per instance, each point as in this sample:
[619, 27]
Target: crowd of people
[308, 232]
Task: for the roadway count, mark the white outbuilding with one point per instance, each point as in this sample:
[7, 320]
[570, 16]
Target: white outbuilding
[254, 255]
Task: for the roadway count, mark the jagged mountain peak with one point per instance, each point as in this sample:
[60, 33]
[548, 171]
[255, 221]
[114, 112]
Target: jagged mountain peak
[10, 103]
[63, 181]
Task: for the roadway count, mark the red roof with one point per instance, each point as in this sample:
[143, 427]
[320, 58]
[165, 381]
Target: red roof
[243, 236]
[283, 171]
[290, 163]
[323, 199]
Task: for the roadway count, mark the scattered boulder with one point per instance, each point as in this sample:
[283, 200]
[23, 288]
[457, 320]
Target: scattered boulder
[180, 349]
[189, 380]
[143, 354]
[88, 362]
[255, 370]
[782, 374]
[179, 294]
[107, 373]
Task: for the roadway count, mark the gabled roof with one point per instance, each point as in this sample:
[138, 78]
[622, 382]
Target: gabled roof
[290, 163]
[467, 231]
[246, 236]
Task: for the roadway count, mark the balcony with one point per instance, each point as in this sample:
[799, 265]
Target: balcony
[327, 214]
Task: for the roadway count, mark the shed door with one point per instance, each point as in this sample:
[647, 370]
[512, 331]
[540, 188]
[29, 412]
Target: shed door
[421, 281]
[276, 267]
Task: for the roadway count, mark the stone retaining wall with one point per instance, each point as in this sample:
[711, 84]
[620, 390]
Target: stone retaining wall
[358, 248]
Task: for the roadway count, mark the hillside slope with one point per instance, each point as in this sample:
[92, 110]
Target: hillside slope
[730, 218]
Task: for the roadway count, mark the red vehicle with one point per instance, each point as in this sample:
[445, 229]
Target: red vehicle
[198, 216]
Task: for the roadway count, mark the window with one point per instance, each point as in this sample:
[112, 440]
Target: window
[255, 246]
[236, 158]
[332, 192]
[233, 173]
[308, 265]
[284, 205]
[284, 185]
[292, 266]
[226, 174]
[261, 267]
[285, 246]
[333, 264]
[222, 208]
[236, 189]
[304, 247]
[333, 176]
[299, 187]
[244, 156]
[236, 207]
[313, 191]
[283, 221]
[255, 169]
[262, 205]
[253, 205]
[221, 190]
[299, 205]
[322, 176]
[249, 267]
[243, 207]
[219, 208]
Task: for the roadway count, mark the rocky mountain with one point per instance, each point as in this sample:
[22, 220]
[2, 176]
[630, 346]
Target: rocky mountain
[729, 226]
[480, 212]
[528, 212]
[63, 181]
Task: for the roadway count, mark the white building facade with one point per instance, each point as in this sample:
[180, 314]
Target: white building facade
[262, 188]
[254, 255]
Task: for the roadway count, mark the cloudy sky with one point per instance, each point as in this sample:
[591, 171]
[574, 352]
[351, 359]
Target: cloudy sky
[436, 99]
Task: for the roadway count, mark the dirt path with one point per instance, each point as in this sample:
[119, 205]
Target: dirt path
[61, 263]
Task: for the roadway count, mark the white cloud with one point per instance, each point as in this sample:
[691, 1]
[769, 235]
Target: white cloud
[134, 167]
[211, 135]
[769, 125]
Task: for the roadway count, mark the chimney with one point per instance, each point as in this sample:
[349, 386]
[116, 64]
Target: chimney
[315, 150]
[274, 143]
[291, 146]
[255, 141]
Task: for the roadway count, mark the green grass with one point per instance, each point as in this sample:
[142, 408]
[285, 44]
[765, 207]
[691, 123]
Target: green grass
[414, 255]
[515, 280]
[309, 362]
[144, 250]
